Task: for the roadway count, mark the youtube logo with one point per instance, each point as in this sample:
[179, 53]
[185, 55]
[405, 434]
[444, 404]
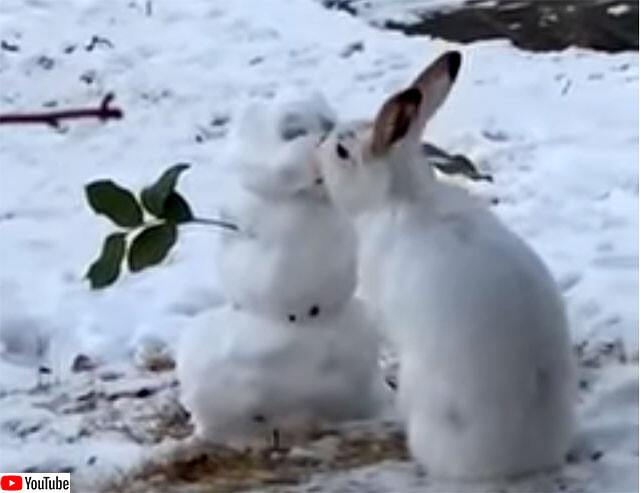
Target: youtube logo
[43, 482]
[11, 483]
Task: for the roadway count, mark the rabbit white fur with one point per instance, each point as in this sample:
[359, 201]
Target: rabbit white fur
[486, 375]
[291, 349]
[296, 252]
[244, 376]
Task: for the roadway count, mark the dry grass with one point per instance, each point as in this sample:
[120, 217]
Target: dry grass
[191, 466]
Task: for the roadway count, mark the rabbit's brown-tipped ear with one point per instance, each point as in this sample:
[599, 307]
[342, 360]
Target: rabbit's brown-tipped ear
[394, 119]
[434, 83]
[406, 113]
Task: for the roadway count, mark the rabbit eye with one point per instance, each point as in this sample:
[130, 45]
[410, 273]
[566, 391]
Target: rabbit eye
[342, 151]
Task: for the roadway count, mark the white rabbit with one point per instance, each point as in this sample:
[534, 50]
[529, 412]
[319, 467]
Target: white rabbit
[243, 376]
[296, 255]
[486, 373]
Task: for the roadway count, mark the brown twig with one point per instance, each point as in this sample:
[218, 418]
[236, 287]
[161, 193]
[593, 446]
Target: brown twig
[103, 113]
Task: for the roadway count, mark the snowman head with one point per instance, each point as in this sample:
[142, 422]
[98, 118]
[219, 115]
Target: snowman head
[273, 145]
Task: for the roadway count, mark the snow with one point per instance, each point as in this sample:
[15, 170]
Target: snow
[379, 12]
[558, 132]
[618, 9]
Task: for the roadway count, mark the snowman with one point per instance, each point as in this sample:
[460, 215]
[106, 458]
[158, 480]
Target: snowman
[292, 349]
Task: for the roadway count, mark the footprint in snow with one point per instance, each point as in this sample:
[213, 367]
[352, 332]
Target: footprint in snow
[616, 262]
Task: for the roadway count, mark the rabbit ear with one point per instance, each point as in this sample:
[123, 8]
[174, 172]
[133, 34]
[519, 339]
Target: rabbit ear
[394, 119]
[434, 83]
[406, 113]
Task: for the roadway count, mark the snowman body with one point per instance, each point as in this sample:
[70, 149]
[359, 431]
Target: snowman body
[298, 262]
[246, 375]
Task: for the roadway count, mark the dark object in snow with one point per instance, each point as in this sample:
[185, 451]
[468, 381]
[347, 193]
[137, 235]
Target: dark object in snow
[572, 457]
[275, 442]
[144, 392]
[341, 5]
[82, 362]
[391, 381]
[314, 311]
[98, 41]
[456, 164]
[88, 77]
[110, 375]
[352, 48]
[45, 62]
[103, 112]
[220, 120]
[6, 46]
[43, 381]
[495, 135]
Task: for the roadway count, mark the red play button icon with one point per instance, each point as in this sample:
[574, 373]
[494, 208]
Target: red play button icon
[11, 483]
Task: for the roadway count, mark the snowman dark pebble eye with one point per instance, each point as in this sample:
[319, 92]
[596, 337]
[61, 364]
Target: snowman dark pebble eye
[327, 124]
[342, 151]
[292, 133]
[314, 311]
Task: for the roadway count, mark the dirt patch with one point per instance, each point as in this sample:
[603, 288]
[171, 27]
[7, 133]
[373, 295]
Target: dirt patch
[540, 25]
[192, 466]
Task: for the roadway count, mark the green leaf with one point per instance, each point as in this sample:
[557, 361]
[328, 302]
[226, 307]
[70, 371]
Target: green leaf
[151, 246]
[154, 197]
[176, 209]
[117, 203]
[106, 268]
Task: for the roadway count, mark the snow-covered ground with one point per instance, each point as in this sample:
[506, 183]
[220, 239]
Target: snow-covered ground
[558, 131]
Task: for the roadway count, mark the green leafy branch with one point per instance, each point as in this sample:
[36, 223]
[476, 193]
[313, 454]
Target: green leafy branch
[152, 240]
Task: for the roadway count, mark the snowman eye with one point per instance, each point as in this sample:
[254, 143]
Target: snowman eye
[342, 151]
[292, 126]
[326, 124]
[292, 133]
